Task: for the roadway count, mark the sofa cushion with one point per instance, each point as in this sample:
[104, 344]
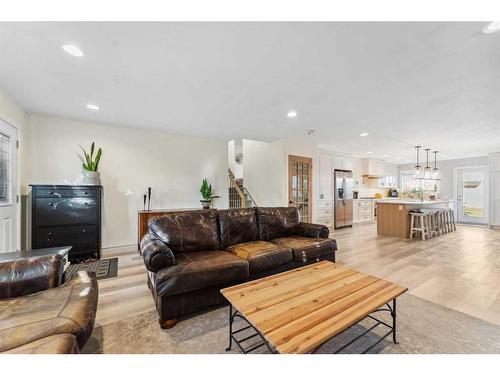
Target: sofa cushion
[187, 231]
[307, 248]
[277, 222]
[262, 255]
[57, 344]
[198, 270]
[237, 226]
[70, 308]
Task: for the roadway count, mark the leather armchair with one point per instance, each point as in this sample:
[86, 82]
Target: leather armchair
[30, 275]
[37, 314]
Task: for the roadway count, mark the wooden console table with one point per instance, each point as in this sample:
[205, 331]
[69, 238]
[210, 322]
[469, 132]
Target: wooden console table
[144, 216]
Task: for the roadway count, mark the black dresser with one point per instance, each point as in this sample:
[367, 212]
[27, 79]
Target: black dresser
[67, 215]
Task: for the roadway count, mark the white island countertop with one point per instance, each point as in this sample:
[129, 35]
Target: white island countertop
[413, 202]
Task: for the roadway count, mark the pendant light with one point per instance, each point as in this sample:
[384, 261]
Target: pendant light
[427, 169]
[435, 171]
[418, 168]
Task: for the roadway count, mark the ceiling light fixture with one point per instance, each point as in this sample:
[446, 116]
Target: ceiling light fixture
[386, 155]
[369, 152]
[435, 171]
[93, 107]
[398, 157]
[363, 134]
[492, 27]
[291, 114]
[72, 50]
[418, 168]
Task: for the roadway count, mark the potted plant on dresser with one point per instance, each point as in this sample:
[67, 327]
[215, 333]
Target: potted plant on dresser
[90, 165]
[207, 193]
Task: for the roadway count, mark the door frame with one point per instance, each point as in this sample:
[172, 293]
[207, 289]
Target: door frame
[308, 160]
[455, 191]
[17, 193]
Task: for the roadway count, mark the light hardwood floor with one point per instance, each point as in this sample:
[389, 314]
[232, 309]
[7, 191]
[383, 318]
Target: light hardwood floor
[460, 270]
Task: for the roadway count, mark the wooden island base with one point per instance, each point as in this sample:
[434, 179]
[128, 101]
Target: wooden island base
[393, 220]
[393, 216]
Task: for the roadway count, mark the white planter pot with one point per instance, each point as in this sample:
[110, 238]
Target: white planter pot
[91, 178]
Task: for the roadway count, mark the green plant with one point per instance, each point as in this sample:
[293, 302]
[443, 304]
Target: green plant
[206, 191]
[89, 162]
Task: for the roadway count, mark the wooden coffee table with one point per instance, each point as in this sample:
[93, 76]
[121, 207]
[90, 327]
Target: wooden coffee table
[299, 310]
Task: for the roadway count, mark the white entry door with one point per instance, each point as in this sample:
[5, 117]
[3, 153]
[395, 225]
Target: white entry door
[472, 195]
[8, 188]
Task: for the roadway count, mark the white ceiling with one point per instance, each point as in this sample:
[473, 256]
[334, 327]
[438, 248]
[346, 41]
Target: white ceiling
[434, 84]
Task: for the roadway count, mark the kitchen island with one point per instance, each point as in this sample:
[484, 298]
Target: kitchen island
[393, 215]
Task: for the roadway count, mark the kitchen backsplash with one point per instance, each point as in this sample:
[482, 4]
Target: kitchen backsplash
[369, 189]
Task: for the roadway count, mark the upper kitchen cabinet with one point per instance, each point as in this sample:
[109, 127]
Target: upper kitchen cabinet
[357, 173]
[343, 163]
[373, 168]
[390, 178]
[325, 177]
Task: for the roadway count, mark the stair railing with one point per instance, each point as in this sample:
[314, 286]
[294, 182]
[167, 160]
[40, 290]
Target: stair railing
[238, 201]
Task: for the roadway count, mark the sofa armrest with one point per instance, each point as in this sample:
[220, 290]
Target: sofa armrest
[156, 253]
[24, 276]
[312, 230]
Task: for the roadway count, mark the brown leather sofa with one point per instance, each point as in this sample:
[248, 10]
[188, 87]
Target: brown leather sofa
[37, 315]
[190, 256]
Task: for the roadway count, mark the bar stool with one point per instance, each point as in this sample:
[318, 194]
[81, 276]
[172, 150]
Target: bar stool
[441, 221]
[450, 220]
[419, 222]
[432, 221]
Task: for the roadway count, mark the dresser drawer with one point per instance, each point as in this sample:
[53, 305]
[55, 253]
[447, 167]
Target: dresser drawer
[64, 211]
[65, 193]
[81, 238]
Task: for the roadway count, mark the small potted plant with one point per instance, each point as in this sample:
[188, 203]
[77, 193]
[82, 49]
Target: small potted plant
[90, 165]
[207, 194]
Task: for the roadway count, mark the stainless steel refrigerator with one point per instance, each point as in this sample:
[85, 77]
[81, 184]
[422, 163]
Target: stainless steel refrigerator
[343, 198]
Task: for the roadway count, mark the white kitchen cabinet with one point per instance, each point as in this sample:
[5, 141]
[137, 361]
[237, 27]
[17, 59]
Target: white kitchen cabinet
[363, 210]
[343, 163]
[324, 213]
[325, 177]
[357, 173]
[390, 177]
[373, 167]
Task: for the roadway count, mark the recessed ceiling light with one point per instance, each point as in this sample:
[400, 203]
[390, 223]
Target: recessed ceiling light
[93, 107]
[493, 27]
[386, 155]
[398, 157]
[363, 134]
[292, 114]
[72, 50]
[369, 152]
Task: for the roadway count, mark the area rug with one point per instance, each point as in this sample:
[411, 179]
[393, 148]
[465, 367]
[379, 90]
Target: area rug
[423, 327]
[103, 268]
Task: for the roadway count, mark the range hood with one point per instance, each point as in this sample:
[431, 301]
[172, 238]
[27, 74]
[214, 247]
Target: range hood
[373, 168]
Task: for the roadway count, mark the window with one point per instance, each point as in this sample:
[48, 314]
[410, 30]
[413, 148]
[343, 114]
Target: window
[4, 169]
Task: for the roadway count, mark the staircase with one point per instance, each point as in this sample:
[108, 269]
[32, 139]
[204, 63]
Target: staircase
[239, 197]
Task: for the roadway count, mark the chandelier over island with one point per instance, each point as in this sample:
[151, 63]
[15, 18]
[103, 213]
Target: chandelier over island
[428, 173]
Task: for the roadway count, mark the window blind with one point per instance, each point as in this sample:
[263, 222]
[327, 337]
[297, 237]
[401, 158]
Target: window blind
[4, 168]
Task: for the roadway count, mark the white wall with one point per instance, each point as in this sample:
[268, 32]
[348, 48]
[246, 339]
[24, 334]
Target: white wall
[132, 160]
[265, 168]
[446, 168]
[263, 171]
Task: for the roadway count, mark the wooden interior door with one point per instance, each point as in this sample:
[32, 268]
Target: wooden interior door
[299, 185]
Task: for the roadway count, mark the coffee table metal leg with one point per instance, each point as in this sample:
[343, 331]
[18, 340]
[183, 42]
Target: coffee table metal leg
[394, 321]
[231, 319]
